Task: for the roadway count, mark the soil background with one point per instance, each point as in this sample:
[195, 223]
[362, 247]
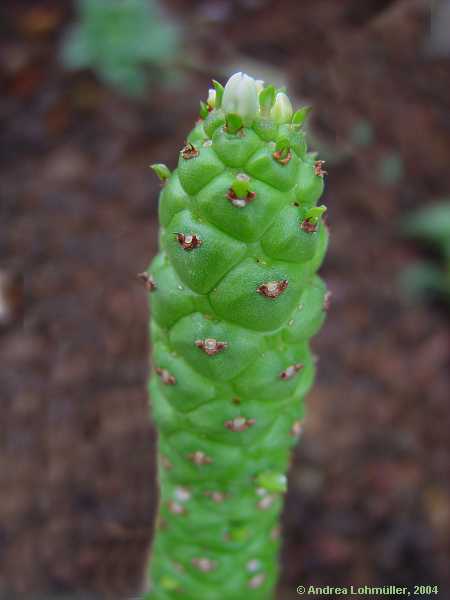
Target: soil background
[369, 490]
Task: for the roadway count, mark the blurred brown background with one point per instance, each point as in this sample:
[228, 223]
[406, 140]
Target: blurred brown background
[369, 490]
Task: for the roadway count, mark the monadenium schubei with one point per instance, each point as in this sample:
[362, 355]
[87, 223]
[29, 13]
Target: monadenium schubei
[235, 300]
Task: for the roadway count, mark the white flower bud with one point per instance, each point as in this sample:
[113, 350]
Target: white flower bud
[282, 109]
[240, 97]
[211, 100]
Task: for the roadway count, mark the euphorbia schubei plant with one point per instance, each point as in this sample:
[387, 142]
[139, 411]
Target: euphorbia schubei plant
[235, 300]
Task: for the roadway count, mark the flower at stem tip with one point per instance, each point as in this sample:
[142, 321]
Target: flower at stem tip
[240, 97]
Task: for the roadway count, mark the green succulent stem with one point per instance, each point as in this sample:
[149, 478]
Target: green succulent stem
[235, 299]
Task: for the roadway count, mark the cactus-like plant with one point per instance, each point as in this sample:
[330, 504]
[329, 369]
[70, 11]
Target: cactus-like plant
[234, 301]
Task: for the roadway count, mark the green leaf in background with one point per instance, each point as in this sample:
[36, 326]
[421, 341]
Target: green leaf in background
[390, 169]
[362, 133]
[424, 279]
[432, 225]
[126, 42]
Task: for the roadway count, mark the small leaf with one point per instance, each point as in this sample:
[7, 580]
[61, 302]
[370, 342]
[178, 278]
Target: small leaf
[266, 99]
[300, 116]
[314, 213]
[233, 123]
[283, 143]
[203, 110]
[161, 170]
[241, 185]
[219, 93]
